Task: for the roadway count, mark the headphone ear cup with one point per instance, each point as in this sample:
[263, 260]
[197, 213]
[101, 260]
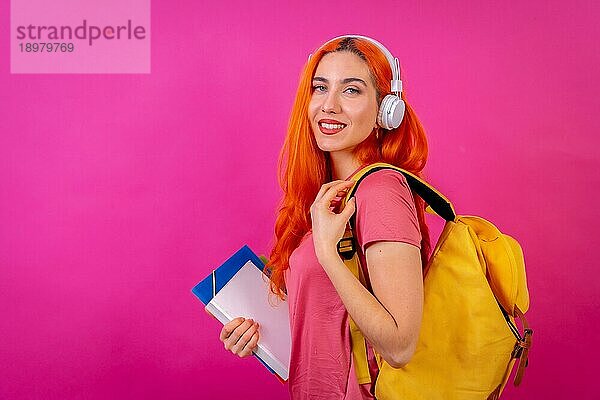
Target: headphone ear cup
[391, 112]
[383, 112]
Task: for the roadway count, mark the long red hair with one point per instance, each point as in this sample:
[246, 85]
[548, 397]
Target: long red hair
[304, 167]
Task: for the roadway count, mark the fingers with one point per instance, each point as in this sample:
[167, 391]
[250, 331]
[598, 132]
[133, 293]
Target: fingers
[229, 327]
[250, 344]
[349, 208]
[325, 187]
[240, 335]
[341, 195]
[244, 339]
[339, 189]
[339, 186]
[237, 333]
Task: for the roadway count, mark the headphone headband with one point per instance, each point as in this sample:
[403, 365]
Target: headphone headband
[396, 82]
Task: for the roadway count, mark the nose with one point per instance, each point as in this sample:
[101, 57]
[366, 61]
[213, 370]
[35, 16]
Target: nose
[331, 103]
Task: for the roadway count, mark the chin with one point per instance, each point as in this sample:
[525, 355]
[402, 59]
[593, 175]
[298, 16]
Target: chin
[328, 148]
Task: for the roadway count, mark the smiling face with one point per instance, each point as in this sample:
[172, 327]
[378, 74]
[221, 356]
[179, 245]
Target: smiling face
[343, 106]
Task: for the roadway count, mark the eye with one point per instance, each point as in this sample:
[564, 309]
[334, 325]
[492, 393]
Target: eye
[318, 88]
[353, 90]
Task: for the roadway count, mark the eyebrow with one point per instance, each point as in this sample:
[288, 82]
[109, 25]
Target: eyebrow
[343, 81]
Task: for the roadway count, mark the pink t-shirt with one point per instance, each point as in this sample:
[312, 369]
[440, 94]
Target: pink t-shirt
[321, 365]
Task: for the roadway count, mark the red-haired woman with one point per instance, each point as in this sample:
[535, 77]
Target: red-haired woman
[335, 129]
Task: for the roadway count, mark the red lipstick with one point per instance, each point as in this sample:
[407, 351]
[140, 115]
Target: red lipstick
[330, 126]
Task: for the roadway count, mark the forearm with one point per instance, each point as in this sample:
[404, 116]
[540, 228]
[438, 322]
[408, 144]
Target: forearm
[374, 321]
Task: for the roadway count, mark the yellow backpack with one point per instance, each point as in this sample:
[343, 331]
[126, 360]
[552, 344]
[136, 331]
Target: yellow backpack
[474, 288]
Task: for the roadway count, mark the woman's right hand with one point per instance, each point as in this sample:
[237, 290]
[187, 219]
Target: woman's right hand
[240, 336]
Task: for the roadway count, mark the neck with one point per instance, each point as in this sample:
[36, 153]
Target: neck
[342, 165]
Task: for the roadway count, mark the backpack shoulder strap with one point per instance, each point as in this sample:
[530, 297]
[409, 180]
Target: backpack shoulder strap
[358, 344]
[437, 202]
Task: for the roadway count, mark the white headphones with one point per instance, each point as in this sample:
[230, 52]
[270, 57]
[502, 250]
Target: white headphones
[391, 109]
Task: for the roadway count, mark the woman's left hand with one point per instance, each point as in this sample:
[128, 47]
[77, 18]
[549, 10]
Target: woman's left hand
[328, 227]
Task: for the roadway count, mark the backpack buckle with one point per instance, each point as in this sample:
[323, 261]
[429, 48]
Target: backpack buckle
[523, 345]
[346, 247]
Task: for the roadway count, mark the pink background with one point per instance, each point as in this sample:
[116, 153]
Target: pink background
[120, 192]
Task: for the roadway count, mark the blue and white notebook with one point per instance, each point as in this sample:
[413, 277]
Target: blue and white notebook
[239, 288]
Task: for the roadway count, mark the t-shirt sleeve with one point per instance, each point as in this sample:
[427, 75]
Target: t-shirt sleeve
[385, 210]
